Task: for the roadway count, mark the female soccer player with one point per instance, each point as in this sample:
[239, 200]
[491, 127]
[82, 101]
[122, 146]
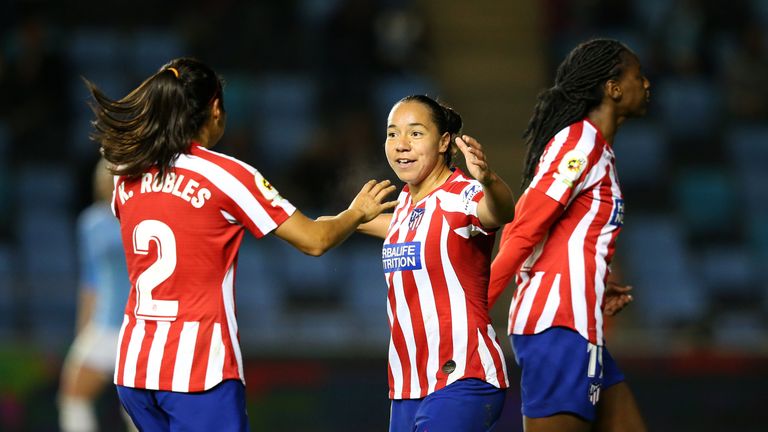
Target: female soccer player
[183, 211]
[446, 369]
[562, 240]
[104, 287]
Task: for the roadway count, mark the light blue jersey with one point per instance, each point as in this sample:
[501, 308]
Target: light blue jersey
[102, 263]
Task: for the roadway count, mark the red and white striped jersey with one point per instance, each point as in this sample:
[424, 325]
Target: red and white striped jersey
[181, 237]
[436, 259]
[562, 282]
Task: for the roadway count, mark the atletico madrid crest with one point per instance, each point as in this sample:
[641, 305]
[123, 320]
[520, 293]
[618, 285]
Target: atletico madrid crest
[415, 220]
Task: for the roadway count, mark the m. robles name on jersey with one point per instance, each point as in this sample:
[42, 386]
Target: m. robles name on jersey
[175, 184]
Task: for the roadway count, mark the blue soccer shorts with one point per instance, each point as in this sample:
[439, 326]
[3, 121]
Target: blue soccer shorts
[562, 373]
[468, 405]
[220, 409]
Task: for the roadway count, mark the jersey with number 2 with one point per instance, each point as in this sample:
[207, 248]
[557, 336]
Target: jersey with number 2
[181, 236]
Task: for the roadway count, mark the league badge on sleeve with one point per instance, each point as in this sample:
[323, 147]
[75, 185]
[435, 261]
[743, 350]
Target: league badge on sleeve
[571, 166]
[266, 189]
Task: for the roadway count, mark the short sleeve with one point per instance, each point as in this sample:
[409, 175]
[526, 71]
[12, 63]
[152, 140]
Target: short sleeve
[567, 159]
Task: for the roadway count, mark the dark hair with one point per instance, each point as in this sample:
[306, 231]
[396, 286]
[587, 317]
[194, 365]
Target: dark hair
[578, 89]
[156, 122]
[444, 117]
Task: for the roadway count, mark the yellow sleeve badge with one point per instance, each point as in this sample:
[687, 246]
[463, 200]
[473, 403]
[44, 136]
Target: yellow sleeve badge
[571, 166]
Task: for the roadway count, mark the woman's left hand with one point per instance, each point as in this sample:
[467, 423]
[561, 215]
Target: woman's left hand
[617, 297]
[475, 157]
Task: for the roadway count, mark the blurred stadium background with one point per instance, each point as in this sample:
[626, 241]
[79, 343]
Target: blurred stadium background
[309, 83]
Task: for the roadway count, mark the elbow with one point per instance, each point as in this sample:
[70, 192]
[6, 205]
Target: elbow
[314, 251]
[319, 246]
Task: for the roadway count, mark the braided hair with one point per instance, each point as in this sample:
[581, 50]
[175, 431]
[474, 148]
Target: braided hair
[157, 121]
[444, 117]
[578, 89]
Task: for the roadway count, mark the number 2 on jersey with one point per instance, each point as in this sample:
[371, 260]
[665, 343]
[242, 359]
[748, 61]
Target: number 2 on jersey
[147, 307]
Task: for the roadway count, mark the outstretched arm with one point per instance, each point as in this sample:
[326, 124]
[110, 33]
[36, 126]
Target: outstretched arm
[497, 206]
[536, 213]
[315, 237]
[376, 227]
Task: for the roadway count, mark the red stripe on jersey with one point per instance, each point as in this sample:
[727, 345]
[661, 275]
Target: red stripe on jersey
[442, 303]
[169, 355]
[601, 218]
[141, 363]
[498, 359]
[417, 323]
[539, 300]
[200, 365]
[123, 351]
[398, 341]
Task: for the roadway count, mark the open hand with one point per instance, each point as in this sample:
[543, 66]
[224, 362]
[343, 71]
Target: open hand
[477, 165]
[369, 200]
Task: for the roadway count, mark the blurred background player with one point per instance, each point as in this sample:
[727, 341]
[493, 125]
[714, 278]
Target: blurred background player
[446, 368]
[90, 364]
[183, 212]
[562, 240]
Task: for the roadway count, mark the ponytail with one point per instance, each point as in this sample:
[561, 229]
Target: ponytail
[157, 121]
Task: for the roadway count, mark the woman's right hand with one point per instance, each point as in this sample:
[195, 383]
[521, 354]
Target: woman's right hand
[369, 201]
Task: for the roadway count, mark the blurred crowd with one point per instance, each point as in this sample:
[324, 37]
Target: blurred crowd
[308, 84]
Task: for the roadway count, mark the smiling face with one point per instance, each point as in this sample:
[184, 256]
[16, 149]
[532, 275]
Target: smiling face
[415, 148]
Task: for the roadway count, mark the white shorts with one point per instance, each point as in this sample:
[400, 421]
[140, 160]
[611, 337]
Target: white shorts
[95, 347]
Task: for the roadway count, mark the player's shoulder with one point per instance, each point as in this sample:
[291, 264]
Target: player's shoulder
[460, 190]
[222, 160]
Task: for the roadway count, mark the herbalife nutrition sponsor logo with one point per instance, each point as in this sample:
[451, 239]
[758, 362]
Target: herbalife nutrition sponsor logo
[401, 256]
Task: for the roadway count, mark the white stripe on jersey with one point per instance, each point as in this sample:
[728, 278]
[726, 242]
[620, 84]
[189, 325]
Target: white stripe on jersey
[527, 302]
[485, 358]
[427, 302]
[132, 356]
[550, 307]
[232, 187]
[185, 356]
[228, 297]
[458, 308]
[119, 345]
[606, 234]
[576, 266]
[285, 205]
[215, 370]
[156, 352]
[492, 336]
[394, 362]
[549, 155]
[586, 144]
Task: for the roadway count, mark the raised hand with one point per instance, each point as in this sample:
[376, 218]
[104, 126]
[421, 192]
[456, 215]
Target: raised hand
[477, 165]
[369, 200]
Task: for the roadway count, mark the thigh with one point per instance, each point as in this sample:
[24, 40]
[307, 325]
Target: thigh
[556, 423]
[402, 413]
[143, 409]
[618, 411]
[469, 405]
[221, 408]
